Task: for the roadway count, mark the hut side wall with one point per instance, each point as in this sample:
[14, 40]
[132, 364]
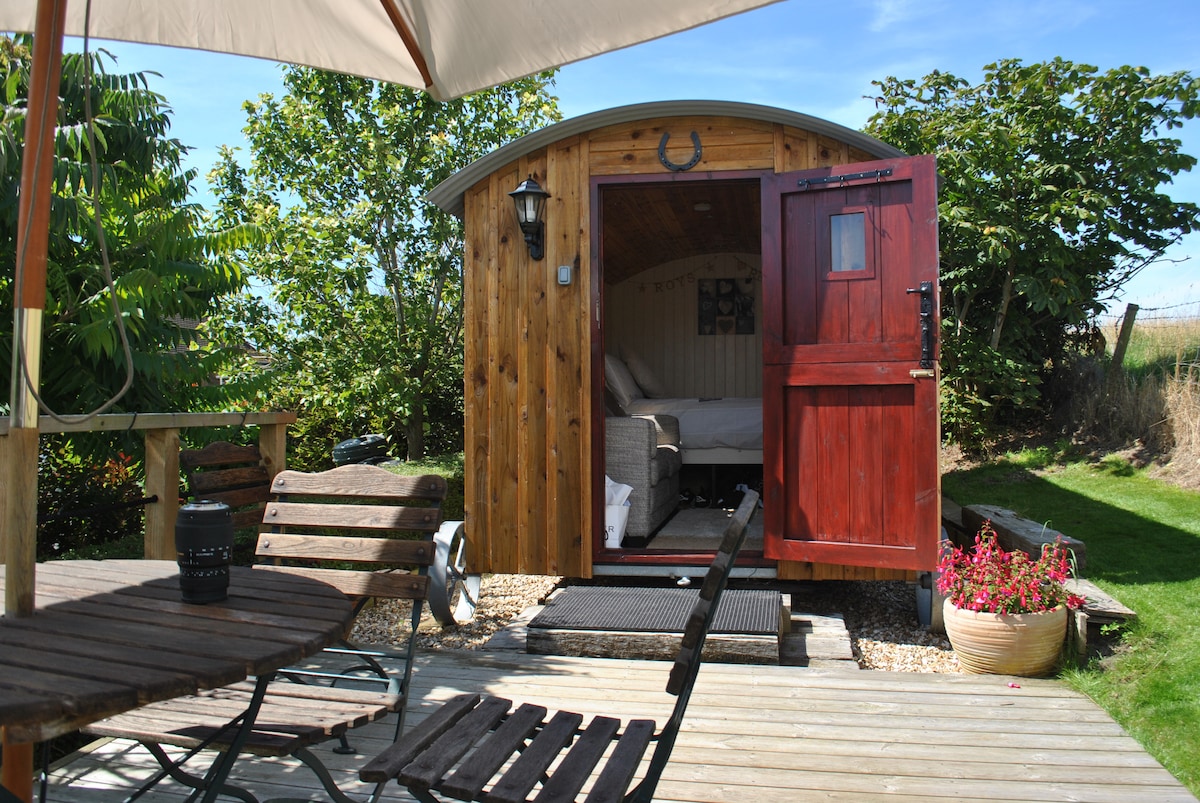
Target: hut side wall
[529, 340]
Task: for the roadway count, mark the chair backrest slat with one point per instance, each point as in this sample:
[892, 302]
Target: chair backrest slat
[345, 549]
[377, 518]
[386, 585]
[225, 479]
[361, 482]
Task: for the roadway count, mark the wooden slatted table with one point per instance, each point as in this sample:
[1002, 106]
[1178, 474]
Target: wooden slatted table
[108, 636]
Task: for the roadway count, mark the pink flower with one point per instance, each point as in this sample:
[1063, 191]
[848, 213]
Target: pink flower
[990, 578]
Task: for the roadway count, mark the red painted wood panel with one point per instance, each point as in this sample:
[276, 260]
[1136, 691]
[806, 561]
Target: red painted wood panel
[833, 462]
[866, 484]
[799, 307]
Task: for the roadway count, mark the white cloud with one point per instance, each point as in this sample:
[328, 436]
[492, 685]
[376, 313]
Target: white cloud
[889, 13]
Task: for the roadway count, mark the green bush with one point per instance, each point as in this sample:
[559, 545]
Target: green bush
[85, 501]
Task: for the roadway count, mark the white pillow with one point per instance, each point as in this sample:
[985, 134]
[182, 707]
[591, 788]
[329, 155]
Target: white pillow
[644, 376]
[620, 382]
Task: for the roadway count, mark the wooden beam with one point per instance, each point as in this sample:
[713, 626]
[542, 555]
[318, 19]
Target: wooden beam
[131, 421]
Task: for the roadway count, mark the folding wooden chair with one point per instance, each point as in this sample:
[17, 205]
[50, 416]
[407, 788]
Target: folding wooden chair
[476, 748]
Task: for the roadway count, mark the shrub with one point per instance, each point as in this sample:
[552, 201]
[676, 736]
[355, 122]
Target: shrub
[84, 501]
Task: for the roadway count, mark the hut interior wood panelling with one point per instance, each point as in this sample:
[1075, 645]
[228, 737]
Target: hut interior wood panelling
[654, 315]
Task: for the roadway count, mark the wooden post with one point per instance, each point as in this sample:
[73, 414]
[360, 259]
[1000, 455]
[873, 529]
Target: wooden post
[17, 775]
[1077, 633]
[1118, 358]
[4, 482]
[162, 480]
[272, 445]
[29, 301]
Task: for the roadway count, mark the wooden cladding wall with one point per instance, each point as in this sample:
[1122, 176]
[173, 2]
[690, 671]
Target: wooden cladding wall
[527, 385]
[655, 314]
[529, 345]
[727, 144]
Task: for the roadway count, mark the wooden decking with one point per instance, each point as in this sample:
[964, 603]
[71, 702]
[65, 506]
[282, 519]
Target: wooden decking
[764, 734]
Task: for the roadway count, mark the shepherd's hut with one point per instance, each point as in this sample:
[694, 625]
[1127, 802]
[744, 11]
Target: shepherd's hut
[765, 279]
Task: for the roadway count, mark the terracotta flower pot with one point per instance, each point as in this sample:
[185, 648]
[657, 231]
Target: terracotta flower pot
[1026, 644]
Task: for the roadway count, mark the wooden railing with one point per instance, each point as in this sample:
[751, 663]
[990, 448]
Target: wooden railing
[162, 460]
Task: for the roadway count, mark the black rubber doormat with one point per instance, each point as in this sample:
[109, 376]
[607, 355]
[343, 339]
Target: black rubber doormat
[659, 610]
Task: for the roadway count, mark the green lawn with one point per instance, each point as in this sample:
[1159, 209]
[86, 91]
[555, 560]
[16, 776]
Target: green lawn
[449, 466]
[1143, 547]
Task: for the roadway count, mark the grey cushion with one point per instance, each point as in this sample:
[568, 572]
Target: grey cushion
[647, 380]
[620, 382]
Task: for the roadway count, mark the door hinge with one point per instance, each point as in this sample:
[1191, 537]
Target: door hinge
[878, 175]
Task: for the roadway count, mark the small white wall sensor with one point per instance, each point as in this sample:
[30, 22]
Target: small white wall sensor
[564, 274]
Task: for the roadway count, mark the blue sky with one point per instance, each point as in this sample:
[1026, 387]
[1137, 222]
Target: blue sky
[807, 55]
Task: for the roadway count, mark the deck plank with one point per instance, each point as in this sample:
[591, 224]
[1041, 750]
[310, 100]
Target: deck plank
[766, 733]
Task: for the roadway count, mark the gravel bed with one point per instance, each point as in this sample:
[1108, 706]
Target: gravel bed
[880, 616]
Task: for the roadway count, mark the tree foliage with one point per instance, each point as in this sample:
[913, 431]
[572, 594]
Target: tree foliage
[1051, 200]
[359, 306]
[167, 266]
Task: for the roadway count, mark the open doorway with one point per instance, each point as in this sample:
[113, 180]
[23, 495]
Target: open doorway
[680, 267]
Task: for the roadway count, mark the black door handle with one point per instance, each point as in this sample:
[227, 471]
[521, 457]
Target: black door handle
[926, 291]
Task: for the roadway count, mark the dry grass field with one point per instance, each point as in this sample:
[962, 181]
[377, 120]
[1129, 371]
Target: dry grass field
[1156, 398]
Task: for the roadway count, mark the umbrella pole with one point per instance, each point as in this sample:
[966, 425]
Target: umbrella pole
[29, 301]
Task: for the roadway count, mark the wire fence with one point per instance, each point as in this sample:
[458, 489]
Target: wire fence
[1164, 334]
[1172, 312]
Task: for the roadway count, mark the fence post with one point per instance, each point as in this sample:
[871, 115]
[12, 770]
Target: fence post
[4, 497]
[1123, 337]
[162, 480]
[272, 445]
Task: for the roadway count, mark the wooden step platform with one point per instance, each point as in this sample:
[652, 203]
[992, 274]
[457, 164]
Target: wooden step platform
[805, 639]
[817, 641]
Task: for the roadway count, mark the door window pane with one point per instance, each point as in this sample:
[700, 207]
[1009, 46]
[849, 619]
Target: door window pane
[848, 242]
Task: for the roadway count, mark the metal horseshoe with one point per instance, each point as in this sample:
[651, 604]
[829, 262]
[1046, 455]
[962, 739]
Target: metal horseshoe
[667, 163]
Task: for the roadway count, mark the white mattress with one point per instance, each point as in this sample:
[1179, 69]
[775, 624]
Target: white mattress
[710, 423]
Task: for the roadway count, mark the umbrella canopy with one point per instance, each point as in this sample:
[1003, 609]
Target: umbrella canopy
[447, 47]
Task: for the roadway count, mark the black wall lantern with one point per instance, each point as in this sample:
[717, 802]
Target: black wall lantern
[530, 200]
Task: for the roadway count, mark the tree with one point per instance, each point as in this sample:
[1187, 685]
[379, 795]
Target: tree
[165, 265]
[1050, 202]
[360, 308]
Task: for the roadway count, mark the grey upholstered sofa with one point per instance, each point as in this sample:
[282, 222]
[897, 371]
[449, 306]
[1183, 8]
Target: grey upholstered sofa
[643, 452]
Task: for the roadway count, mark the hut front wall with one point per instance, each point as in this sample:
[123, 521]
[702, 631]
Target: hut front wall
[528, 392]
[530, 341]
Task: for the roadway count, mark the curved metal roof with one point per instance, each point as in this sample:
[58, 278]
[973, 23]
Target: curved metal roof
[449, 194]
